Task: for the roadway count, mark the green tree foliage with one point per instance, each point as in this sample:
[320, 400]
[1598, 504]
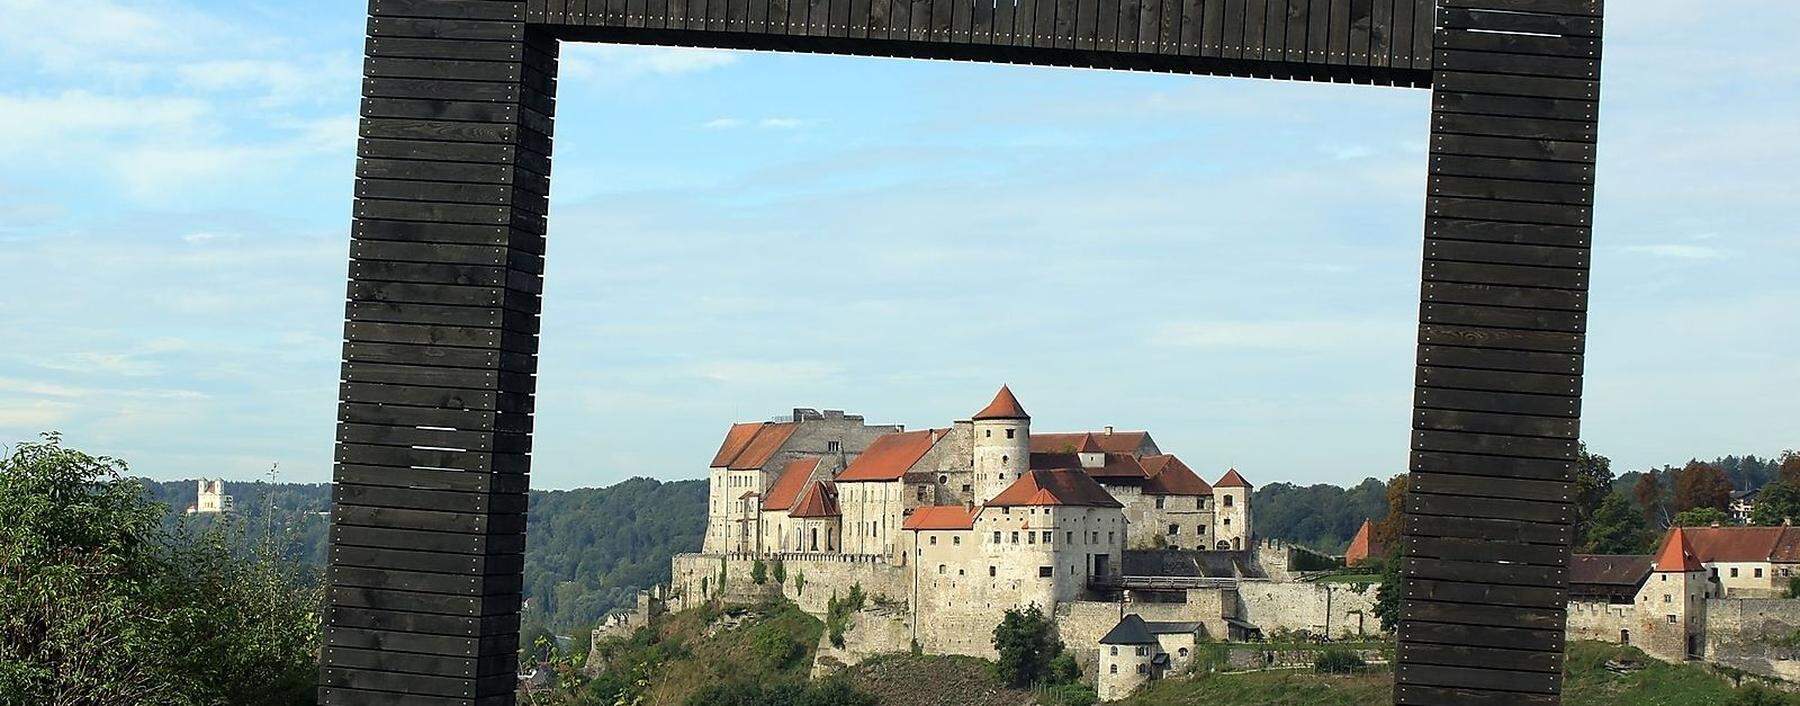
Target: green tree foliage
[1337, 660]
[1701, 485]
[1322, 516]
[1617, 527]
[838, 612]
[592, 549]
[1701, 517]
[101, 602]
[1593, 483]
[1386, 531]
[759, 572]
[1387, 593]
[1027, 645]
[780, 573]
[1777, 504]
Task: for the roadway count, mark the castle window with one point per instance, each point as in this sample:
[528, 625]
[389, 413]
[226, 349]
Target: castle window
[934, 541]
[1227, 501]
[990, 432]
[921, 493]
[1143, 668]
[943, 479]
[1009, 433]
[1043, 572]
[996, 537]
[1115, 653]
[1174, 530]
[940, 568]
[1015, 538]
[1159, 503]
[956, 541]
[1200, 530]
[966, 488]
[1115, 668]
[1069, 537]
[1142, 651]
[990, 570]
[1030, 538]
[832, 446]
[1004, 461]
[1109, 538]
[1047, 535]
[1671, 618]
[1758, 573]
[1183, 652]
[1227, 522]
[1734, 572]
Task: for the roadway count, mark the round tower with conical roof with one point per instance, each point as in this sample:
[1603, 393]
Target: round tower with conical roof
[1002, 446]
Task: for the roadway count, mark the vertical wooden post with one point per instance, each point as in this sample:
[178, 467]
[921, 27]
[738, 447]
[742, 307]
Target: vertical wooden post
[1502, 327]
[440, 344]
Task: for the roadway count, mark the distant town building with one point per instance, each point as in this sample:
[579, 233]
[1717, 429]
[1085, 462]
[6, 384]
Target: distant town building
[211, 499]
[1743, 502]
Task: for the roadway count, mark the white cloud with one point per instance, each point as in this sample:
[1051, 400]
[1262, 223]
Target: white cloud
[782, 123]
[721, 124]
[617, 62]
[784, 373]
[31, 122]
[1285, 335]
[1678, 251]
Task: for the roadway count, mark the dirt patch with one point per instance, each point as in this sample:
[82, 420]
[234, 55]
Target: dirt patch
[911, 680]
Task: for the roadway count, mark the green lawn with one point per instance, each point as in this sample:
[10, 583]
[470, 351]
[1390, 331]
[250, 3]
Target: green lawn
[1588, 684]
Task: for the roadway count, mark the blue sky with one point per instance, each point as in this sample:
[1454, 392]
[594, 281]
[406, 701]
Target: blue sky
[1229, 263]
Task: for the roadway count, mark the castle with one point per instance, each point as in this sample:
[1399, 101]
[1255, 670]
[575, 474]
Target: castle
[829, 483]
[948, 528]
[210, 498]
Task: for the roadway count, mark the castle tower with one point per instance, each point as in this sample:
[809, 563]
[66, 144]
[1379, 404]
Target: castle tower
[1231, 520]
[1672, 603]
[1002, 447]
[1127, 658]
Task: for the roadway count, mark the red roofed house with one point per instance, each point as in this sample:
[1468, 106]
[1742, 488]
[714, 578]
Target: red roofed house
[754, 456]
[1363, 545]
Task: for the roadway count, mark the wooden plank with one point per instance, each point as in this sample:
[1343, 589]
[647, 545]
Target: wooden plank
[1490, 401]
[1338, 35]
[427, 540]
[1579, 47]
[1515, 169]
[1400, 47]
[1506, 253]
[1087, 24]
[921, 20]
[1500, 359]
[943, 19]
[1361, 17]
[1299, 20]
[1494, 444]
[439, 603]
[1424, 33]
[1536, 683]
[1482, 636]
[1024, 21]
[1275, 31]
[1318, 31]
[1517, 106]
[1235, 15]
[427, 499]
[1458, 656]
[1491, 572]
[1491, 508]
[465, 419]
[1590, 8]
[416, 663]
[428, 520]
[981, 20]
[1255, 17]
[1486, 593]
[1473, 336]
[1212, 28]
[1381, 32]
[1531, 297]
[1494, 423]
[1169, 27]
[461, 481]
[1497, 487]
[368, 638]
[1452, 17]
[1503, 317]
[1499, 380]
[375, 557]
[1478, 614]
[1415, 695]
[1509, 211]
[1487, 529]
[1521, 64]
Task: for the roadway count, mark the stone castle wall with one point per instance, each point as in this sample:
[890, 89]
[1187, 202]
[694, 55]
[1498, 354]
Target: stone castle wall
[1600, 620]
[1755, 635]
[696, 579]
[1335, 609]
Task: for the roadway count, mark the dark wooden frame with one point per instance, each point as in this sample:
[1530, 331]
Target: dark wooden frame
[446, 263]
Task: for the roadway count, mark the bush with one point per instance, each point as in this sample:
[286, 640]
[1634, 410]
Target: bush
[1338, 661]
[780, 573]
[1067, 695]
[1026, 643]
[102, 603]
[1063, 670]
[774, 649]
[837, 613]
[759, 572]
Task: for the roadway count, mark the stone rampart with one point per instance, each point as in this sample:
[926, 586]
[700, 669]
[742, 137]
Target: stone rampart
[1757, 635]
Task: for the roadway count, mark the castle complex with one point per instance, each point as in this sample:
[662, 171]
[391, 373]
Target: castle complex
[948, 528]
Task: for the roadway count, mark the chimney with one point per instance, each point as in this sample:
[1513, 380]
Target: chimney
[1109, 430]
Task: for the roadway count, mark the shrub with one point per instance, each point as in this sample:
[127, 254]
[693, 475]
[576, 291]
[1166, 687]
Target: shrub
[1067, 695]
[774, 649]
[780, 573]
[1026, 644]
[759, 572]
[1063, 669]
[1338, 661]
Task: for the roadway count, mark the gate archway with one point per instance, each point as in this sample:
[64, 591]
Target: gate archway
[446, 261]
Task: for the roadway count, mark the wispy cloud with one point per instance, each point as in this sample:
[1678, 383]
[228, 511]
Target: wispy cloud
[1679, 251]
[616, 62]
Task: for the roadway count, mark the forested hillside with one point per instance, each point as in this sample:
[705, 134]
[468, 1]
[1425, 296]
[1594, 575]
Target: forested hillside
[1323, 516]
[587, 550]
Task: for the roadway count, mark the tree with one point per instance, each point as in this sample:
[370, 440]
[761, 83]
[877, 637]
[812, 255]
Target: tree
[1617, 528]
[1648, 493]
[1386, 532]
[1777, 504]
[759, 572]
[102, 603]
[1593, 483]
[1789, 470]
[780, 573]
[1387, 593]
[1027, 645]
[1701, 517]
[1701, 485]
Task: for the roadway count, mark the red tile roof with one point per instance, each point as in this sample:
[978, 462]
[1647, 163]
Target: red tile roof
[1116, 467]
[1232, 480]
[1363, 545]
[735, 440]
[767, 441]
[1057, 487]
[819, 500]
[1677, 555]
[1169, 476]
[889, 457]
[940, 517]
[1089, 445]
[1607, 570]
[1004, 406]
[1119, 442]
[1738, 544]
[788, 485]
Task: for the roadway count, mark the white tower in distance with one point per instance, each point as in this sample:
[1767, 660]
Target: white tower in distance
[1002, 445]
